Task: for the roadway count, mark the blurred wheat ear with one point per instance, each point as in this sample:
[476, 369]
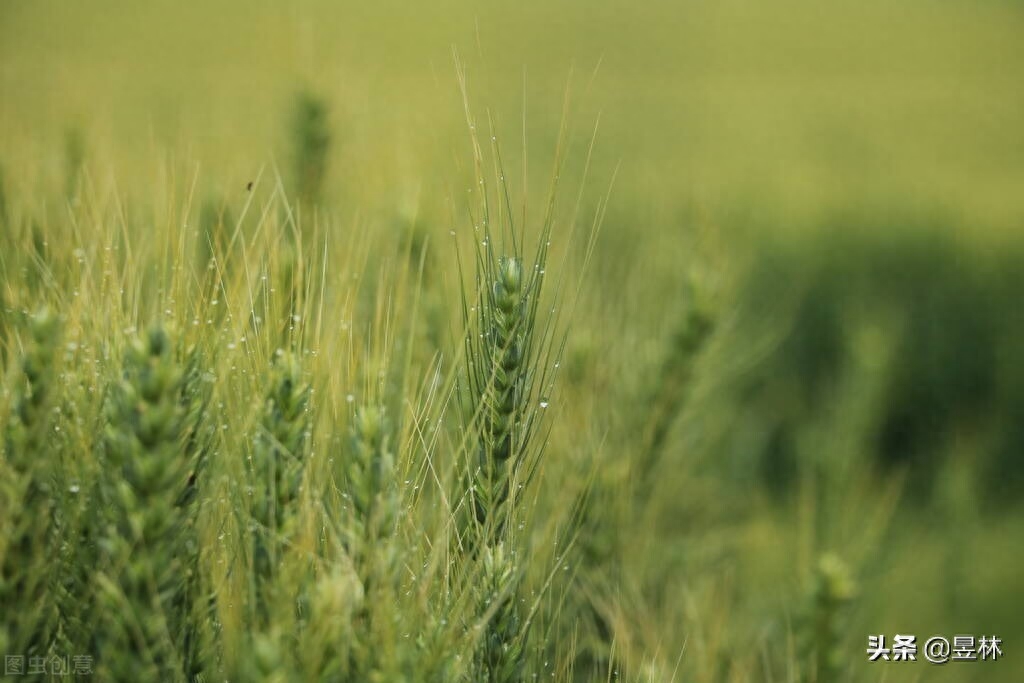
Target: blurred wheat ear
[311, 142]
[27, 500]
[277, 467]
[371, 478]
[833, 591]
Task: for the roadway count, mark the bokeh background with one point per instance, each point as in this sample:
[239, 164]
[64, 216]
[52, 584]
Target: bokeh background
[840, 184]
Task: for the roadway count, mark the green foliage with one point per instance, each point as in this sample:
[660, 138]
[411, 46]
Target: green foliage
[936, 300]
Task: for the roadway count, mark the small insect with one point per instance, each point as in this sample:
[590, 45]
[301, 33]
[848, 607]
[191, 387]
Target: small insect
[248, 186]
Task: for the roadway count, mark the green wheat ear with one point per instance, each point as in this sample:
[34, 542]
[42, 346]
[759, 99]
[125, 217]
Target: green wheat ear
[504, 352]
[278, 462]
[372, 515]
[500, 657]
[26, 429]
[146, 474]
[499, 368]
[834, 588]
[370, 474]
[199, 432]
[27, 500]
[674, 381]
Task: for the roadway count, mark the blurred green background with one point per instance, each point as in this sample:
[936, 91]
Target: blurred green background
[793, 104]
[844, 181]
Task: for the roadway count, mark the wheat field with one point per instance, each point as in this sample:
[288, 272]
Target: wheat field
[606, 341]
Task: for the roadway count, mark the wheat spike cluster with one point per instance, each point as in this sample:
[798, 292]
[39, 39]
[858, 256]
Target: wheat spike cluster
[278, 482]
